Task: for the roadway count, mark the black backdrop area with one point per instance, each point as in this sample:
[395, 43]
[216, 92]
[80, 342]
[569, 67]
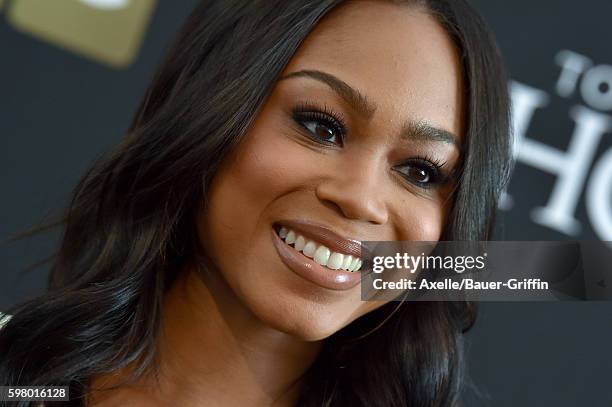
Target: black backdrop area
[63, 103]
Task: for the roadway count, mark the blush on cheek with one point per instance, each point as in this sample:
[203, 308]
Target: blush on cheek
[432, 230]
[271, 164]
[263, 159]
[424, 223]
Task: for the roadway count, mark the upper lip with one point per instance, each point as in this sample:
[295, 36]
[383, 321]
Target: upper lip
[326, 236]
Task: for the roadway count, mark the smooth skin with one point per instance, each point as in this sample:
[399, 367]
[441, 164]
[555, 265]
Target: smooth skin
[241, 331]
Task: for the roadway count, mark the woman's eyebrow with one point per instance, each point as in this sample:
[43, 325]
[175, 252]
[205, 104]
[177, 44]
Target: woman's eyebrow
[424, 131]
[360, 103]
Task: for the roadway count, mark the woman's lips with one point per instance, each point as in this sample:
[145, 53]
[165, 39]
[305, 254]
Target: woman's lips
[326, 236]
[310, 270]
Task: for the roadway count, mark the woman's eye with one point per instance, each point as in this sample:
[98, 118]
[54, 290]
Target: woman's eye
[322, 127]
[423, 172]
[419, 175]
[322, 131]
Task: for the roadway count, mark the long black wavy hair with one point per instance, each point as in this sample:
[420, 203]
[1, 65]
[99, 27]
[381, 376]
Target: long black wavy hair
[129, 228]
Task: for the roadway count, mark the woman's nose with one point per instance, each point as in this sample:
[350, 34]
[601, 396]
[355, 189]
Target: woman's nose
[356, 192]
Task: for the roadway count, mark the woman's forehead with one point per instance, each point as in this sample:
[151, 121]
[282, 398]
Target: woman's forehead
[399, 57]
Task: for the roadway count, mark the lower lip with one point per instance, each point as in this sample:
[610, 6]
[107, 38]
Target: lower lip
[312, 271]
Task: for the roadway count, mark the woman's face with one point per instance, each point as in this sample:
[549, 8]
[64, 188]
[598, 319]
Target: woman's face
[360, 137]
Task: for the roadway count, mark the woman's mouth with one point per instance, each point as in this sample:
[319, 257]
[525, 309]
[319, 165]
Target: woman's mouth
[329, 267]
[319, 252]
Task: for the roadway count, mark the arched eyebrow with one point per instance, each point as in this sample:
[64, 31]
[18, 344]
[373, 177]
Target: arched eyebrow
[360, 103]
[424, 131]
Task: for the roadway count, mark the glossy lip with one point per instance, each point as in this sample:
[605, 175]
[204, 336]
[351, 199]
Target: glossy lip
[326, 236]
[312, 271]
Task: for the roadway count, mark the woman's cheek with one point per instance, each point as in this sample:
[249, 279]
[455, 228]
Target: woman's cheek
[423, 221]
[274, 164]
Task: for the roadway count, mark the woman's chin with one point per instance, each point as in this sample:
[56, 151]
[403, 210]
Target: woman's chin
[307, 331]
[307, 325]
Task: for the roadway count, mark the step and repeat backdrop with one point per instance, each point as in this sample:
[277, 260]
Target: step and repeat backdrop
[73, 71]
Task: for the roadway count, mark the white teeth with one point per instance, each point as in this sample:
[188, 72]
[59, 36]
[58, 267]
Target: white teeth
[320, 253]
[283, 232]
[300, 242]
[290, 237]
[353, 265]
[335, 261]
[309, 249]
[347, 262]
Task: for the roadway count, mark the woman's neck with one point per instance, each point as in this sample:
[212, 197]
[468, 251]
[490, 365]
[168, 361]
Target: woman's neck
[213, 351]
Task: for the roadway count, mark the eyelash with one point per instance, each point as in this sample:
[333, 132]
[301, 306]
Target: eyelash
[433, 167]
[310, 112]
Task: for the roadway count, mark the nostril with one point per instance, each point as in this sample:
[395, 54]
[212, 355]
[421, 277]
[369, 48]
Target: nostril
[333, 206]
[351, 201]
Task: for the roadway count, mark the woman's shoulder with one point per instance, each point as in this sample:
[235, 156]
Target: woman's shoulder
[4, 319]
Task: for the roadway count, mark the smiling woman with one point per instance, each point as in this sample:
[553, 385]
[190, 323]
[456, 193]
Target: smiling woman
[213, 258]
